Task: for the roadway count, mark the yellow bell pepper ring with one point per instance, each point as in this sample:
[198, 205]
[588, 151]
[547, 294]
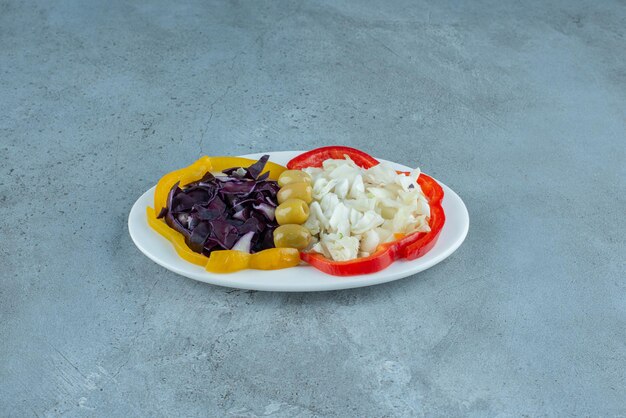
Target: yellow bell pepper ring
[224, 261]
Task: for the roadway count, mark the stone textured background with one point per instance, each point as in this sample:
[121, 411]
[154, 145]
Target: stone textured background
[518, 106]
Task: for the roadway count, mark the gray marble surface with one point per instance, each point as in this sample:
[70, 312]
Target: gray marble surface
[518, 106]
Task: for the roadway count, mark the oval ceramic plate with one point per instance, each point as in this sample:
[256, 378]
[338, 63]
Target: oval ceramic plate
[303, 278]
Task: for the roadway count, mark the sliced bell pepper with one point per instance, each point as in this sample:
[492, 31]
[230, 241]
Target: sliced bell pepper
[275, 258]
[227, 261]
[230, 261]
[316, 157]
[381, 259]
[411, 246]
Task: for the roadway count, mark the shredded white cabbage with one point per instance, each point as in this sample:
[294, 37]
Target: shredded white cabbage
[354, 209]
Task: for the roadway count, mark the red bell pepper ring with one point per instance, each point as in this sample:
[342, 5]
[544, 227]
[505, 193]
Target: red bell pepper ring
[316, 157]
[410, 247]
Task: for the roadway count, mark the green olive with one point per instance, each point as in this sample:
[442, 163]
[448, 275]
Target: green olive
[292, 211]
[302, 191]
[293, 176]
[292, 236]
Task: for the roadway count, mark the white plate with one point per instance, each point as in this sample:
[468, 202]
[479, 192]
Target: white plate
[303, 278]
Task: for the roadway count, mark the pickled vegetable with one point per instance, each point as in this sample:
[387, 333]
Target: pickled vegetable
[293, 176]
[302, 191]
[292, 211]
[292, 236]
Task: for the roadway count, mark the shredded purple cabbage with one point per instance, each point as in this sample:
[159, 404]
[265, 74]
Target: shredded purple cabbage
[225, 212]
